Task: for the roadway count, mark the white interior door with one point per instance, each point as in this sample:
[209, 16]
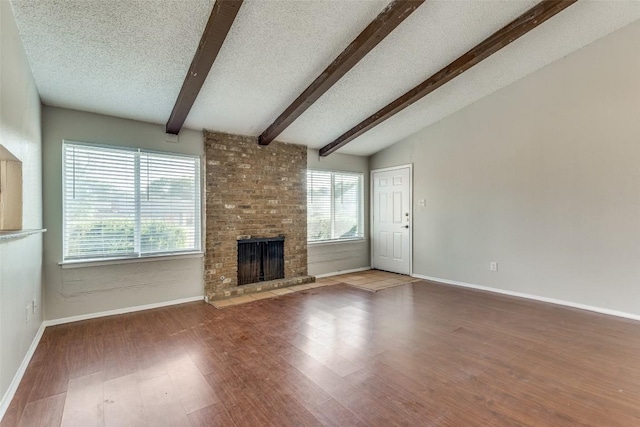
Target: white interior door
[391, 219]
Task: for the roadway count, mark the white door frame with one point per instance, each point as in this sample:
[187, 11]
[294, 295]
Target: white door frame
[371, 205]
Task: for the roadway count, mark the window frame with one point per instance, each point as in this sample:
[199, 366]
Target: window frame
[361, 212]
[139, 256]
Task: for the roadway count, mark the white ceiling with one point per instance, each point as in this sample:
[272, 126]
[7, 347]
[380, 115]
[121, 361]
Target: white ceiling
[125, 58]
[129, 58]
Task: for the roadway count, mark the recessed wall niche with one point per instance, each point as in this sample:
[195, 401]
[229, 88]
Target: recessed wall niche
[10, 191]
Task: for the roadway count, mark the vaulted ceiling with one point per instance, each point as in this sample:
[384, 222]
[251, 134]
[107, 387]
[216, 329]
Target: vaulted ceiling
[129, 59]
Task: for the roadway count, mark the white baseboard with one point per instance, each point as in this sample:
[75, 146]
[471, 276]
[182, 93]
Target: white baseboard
[13, 387]
[337, 273]
[120, 311]
[533, 297]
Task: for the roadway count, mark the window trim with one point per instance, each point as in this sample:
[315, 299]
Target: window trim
[361, 220]
[97, 262]
[336, 241]
[136, 257]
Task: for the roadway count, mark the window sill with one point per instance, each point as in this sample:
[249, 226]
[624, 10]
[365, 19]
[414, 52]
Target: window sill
[117, 261]
[337, 242]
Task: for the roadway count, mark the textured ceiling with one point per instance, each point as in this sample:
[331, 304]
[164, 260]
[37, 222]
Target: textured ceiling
[129, 58]
[274, 50]
[125, 58]
[570, 30]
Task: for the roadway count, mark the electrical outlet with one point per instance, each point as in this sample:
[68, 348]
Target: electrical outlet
[26, 312]
[493, 266]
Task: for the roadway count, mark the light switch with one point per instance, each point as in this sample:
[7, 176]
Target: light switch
[422, 203]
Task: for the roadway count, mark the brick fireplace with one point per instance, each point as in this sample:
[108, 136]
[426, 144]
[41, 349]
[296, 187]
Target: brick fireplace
[253, 192]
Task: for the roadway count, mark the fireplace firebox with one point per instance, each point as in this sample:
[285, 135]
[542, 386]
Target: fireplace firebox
[260, 260]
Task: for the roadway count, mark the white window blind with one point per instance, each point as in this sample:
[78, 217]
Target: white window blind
[121, 202]
[334, 206]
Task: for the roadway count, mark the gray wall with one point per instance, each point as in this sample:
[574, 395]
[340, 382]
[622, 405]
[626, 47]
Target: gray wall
[543, 177]
[20, 260]
[77, 291]
[326, 258]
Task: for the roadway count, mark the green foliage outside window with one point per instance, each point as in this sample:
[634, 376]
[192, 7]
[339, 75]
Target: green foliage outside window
[117, 237]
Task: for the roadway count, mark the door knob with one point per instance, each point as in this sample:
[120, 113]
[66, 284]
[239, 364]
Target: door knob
[405, 226]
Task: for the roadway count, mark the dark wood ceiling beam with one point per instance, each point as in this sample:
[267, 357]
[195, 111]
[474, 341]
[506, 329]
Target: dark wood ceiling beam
[503, 37]
[376, 31]
[222, 16]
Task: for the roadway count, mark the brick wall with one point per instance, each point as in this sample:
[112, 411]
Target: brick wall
[252, 191]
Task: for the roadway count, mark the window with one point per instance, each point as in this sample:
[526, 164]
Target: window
[334, 206]
[127, 203]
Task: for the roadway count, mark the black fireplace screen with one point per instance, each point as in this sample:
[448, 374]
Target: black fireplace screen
[260, 260]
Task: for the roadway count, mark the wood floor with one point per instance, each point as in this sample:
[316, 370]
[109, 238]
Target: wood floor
[417, 354]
